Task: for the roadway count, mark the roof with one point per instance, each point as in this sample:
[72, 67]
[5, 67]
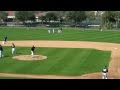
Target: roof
[11, 13]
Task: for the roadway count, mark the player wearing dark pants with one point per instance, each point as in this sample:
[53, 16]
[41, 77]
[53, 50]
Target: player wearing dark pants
[1, 51]
[61, 29]
[5, 40]
[32, 50]
[13, 48]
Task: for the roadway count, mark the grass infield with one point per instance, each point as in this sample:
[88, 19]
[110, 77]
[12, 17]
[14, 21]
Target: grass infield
[61, 61]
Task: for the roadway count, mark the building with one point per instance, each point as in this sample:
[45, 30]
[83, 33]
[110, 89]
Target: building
[11, 16]
[97, 13]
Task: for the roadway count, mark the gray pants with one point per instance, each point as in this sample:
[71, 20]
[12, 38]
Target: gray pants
[104, 76]
[13, 50]
[32, 53]
[1, 54]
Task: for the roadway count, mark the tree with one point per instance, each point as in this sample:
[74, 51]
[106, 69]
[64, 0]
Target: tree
[51, 16]
[76, 16]
[25, 15]
[3, 15]
[108, 18]
[43, 18]
[116, 17]
[90, 15]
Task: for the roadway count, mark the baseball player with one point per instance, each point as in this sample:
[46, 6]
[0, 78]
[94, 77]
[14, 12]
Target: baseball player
[5, 40]
[32, 50]
[61, 29]
[53, 30]
[13, 48]
[58, 31]
[104, 73]
[48, 30]
[1, 51]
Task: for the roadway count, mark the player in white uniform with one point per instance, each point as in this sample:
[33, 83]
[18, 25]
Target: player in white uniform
[53, 30]
[1, 51]
[48, 30]
[32, 51]
[104, 73]
[13, 48]
[59, 31]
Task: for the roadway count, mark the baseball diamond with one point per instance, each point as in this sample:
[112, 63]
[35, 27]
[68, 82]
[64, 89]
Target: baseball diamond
[72, 54]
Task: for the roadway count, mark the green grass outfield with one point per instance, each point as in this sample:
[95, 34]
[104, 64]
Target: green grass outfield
[61, 61]
[69, 34]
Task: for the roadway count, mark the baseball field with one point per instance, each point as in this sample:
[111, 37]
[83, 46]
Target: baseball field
[74, 54]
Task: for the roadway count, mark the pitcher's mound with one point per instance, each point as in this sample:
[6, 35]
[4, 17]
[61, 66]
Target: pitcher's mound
[29, 57]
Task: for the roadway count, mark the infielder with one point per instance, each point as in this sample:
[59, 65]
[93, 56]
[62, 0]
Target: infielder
[104, 73]
[32, 51]
[5, 40]
[1, 51]
[13, 48]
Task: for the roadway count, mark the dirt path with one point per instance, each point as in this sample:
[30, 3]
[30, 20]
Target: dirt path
[114, 66]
